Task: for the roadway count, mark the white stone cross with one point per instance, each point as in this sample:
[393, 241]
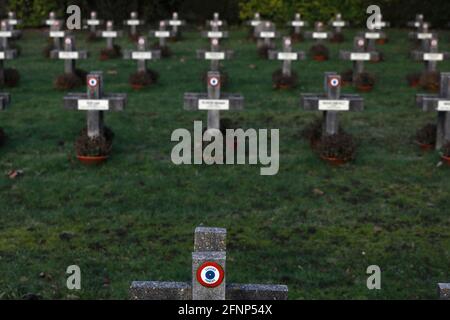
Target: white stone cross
[358, 56]
[142, 54]
[287, 56]
[69, 54]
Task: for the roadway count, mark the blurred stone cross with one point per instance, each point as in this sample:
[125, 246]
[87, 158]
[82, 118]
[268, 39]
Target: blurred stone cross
[96, 103]
[142, 54]
[57, 34]
[423, 35]
[162, 34]
[417, 23]
[287, 56]
[297, 24]
[319, 34]
[372, 36]
[215, 33]
[331, 103]
[5, 54]
[209, 281]
[13, 22]
[109, 34]
[215, 55]
[338, 24]
[213, 101]
[5, 100]
[266, 35]
[431, 56]
[255, 22]
[176, 23]
[134, 23]
[6, 33]
[215, 24]
[52, 19]
[358, 55]
[69, 54]
[444, 291]
[439, 103]
[93, 22]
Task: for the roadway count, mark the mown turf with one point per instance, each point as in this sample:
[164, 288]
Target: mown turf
[312, 227]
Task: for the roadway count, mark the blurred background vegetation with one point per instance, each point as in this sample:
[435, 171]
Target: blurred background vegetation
[398, 12]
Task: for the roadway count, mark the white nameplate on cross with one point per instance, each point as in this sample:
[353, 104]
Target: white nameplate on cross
[50, 22]
[13, 21]
[2, 55]
[267, 34]
[339, 24]
[443, 105]
[372, 35]
[320, 35]
[423, 36]
[162, 34]
[298, 23]
[141, 55]
[218, 23]
[109, 34]
[133, 22]
[211, 104]
[175, 23]
[360, 56]
[433, 56]
[214, 55]
[287, 56]
[255, 23]
[90, 104]
[215, 34]
[92, 22]
[5, 34]
[334, 105]
[68, 55]
[57, 34]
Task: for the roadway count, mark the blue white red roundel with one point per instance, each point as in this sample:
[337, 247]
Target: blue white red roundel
[214, 81]
[210, 275]
[334, 82]
[92, 82]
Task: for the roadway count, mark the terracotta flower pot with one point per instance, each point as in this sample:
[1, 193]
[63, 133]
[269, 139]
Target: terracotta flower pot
[381, 41]
[89, 160]
[137, 87]
[334, 161]
[365, 88]
[282, 86]
[446, 160]
[319, 58]
[425, 146]
[414, 83]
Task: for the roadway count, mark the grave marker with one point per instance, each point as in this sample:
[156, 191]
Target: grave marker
[176, 23]
[338, 24]
[417, 23]
[331, 103]
[215, 24]
[319, 34]
[215, 33]
[432, 56]
[93, 22]
[95, 103]
[358, 56]
[208, 277]
[287, 56]
[69, 54]
[439, 103]
[297, 24]
[444, 291]
[215, 55]
[256, 21]
[134, 23]
[7, 33]
[5, 54]
[422, 34]
[266, 35]
[213, 101]
[56, 34]
[162, 34]
[13, 22]
[110, 34]
[142, 54]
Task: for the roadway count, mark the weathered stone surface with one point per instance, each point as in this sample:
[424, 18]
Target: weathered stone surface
[155, 290]
[200, 292]
[210, 239]
[444, 291]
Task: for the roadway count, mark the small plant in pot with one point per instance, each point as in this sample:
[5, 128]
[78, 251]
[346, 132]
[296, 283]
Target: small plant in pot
[69, 81]
[364, 82]
[114, 53]
[426, 137]
[12, 77]
[347, 77]
[413, 79]
[281, 81]
[430, 81]
[446, 153]
[319, 52]
[94, 150]
[337, 149]
[140, 80]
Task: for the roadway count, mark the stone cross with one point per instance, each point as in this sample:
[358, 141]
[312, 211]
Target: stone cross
[13, 22]
[208, 277]
[93, 22]
[176, 23]
[359, 55]
[215, 23]
[431, 56]
[52, 19]
[110, 34]
[214, 101]
[6, 33]
[69, 54]
[423, 35]
[319, 34]
[331, 103]
[372, 36]
[95, 102]
[56, 34]
[162, 34]
[297, 24]
[287, 56]
[337, 24]
[439, 103]
[215, 32]
[444, 291]
[5, 54]
[266, 34]
[142, 54]
[133, 23]
[417, 23]
[256, 21]
[215, 55]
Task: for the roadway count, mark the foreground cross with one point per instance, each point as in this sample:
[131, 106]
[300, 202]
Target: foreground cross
[331, 103]
[287, 56]
[214, 101]
[215, 55]
[142, 54]
[70, 55]
[95, 102]
[208, 277]
[444, 291]
[441, 104]
[297, 24]
[359, 55]
[133, 23]
[431, 56]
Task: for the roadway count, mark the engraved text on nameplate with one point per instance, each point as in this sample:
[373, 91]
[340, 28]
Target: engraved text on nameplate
[98, 105]
[210, 104]
[334, 105]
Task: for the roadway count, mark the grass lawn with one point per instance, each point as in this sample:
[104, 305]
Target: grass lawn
[313, 227]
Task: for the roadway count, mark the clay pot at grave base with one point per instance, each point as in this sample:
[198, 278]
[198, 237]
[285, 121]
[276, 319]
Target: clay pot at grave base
[137, 87]
[381, 41]
[414, 83]
[446, 160]
[319, 58]
[364, 88]
[334, 161]
[91, 161]
[282, 86]
[425, 146]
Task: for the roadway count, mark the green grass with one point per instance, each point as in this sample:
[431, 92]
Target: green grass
[133, 218]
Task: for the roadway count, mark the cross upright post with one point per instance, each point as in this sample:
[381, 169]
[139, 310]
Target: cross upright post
[69, 54]
[209, 281]
[176, 23]
[142, 54]
[431, 56]
[5, 54]
[331, 103]
[439, 103]
[215, 55]
[110, 35]
[287, 56]
[95, 102]
[358, 56]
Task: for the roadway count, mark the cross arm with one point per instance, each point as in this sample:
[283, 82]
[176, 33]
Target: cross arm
[82, 54]
[5, 100]
[427, 102]
[117, 101]
[153, 33]
[191, 100]
[293, 24]
[310, 102]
